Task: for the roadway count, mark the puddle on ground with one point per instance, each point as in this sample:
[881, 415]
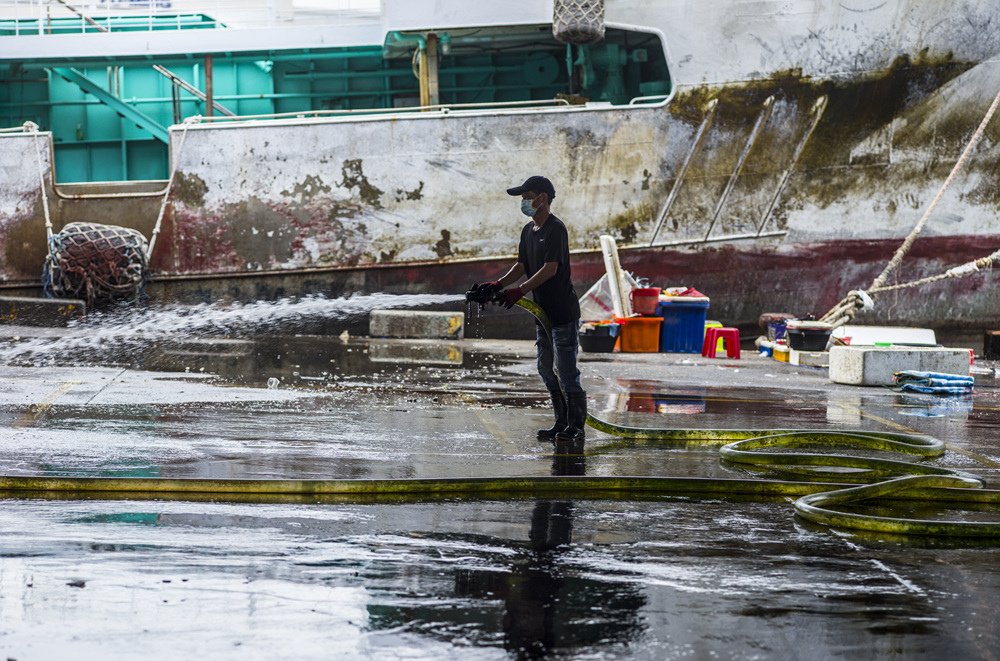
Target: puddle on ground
[665, 578]
[317, 362]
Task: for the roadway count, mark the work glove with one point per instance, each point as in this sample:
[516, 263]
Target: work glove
[509, 297]
[492, 287]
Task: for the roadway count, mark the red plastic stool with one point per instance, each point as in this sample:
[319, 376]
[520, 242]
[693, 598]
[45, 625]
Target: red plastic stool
[730, 336]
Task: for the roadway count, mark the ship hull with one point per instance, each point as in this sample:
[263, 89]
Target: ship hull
[769, 191]
[742, 281]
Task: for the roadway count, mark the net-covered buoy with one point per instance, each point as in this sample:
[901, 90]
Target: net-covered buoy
[96, 263]
[578, 21]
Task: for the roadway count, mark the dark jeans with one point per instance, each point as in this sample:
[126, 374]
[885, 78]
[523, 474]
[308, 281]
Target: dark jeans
[560, 352]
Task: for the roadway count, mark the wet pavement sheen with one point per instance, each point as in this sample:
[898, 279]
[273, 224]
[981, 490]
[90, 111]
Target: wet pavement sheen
[655, 578]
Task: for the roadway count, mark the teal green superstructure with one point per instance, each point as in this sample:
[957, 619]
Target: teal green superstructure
[109, 115]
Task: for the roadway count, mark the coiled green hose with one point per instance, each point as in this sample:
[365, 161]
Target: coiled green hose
[768, 450]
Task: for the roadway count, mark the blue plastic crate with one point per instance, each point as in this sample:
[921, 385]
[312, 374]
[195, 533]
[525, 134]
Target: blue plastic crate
[683, 329]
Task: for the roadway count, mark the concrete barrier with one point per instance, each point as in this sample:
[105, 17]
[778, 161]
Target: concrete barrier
[809, 358]
[25, 311]
[874, 366]
[410, 324]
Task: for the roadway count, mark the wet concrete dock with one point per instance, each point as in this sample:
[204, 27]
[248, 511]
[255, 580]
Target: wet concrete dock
[669, 577]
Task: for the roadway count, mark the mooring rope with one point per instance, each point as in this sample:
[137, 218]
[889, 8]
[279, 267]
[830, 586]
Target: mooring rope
[170, 184]
[845, 310]
[822, 488]
[31, 127]
[848, 306]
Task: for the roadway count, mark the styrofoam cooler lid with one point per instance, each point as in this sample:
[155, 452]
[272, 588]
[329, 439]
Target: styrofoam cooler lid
[795, 324]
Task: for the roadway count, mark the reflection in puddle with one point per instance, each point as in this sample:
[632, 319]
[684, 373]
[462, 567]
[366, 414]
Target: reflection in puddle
[421, 352]
[533, 598]
[645, 402]
[315, 361]
[935, 407]
[571, 579]
[850, 409]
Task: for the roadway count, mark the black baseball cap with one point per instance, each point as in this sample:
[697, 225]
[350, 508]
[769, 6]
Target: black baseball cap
[535, 184]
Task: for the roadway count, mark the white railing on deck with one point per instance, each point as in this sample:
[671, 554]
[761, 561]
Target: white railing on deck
[35, 15]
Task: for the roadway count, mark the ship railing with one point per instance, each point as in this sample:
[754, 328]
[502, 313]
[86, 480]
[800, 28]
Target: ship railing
[42, 17]
[439, 108]
[654, 99]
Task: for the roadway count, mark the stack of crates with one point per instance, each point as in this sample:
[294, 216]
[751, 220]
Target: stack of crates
[641, 334]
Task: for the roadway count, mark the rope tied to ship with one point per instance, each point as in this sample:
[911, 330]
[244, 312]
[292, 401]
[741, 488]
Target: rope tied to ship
[845, 310]
[859, 300]
[31, 127]
[188, 122]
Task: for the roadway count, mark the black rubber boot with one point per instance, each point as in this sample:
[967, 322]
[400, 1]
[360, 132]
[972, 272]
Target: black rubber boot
[559, 407]
[577, 404]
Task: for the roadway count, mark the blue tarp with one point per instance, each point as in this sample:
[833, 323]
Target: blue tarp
[936, 383]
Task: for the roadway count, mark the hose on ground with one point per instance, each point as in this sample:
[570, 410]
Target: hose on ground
[764, 450]
[824, 480]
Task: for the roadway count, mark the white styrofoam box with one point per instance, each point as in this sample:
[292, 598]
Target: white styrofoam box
[874, 366]
[869, 335]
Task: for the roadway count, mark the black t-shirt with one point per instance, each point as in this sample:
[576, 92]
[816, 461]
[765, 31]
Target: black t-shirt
[550, 244]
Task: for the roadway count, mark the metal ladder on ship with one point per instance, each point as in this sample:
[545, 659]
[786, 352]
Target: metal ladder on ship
[815, 115]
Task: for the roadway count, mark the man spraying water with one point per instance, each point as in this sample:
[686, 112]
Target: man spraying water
[543, 257]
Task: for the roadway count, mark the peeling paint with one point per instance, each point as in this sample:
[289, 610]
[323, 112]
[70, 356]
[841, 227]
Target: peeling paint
[414, 194]
[261, 234]
[354, 177]
[189, 189]
[626, 225]
[443, 247]
[309, 188]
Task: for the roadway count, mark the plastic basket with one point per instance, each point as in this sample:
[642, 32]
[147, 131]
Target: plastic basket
[808, 339]
[644, 300]
[683, 325]
[597, 343]
[641, 334]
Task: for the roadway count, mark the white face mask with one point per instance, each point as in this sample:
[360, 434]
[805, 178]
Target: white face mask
[527, 209]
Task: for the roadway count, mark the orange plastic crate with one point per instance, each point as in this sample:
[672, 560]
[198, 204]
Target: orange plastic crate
[641, 334]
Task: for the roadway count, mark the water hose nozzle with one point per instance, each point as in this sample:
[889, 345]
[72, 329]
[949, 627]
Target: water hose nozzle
[482, 294]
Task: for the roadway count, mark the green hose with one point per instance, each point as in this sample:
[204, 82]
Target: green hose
[823, 479]
[767, 449]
